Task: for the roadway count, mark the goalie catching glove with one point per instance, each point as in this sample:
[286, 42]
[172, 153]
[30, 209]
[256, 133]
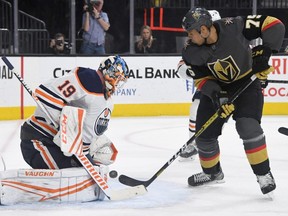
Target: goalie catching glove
[220, 100]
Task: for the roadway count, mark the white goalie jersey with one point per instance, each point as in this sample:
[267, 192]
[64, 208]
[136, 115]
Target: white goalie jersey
[82, 88]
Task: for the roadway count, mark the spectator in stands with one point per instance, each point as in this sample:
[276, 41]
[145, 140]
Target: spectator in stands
[95, 23]
[58, 45]
[146, 43]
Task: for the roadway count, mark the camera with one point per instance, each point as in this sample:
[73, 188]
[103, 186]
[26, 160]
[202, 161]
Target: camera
[91, 4]
[90, 8]
[67, 46]
[59, 42]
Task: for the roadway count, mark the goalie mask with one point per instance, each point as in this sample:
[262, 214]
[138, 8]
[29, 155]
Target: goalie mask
[195, 18]
[115, 72]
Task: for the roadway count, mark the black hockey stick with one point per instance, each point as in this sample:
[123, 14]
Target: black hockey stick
[283, 130]
[278, 81]
[95, 175]
[133, 182]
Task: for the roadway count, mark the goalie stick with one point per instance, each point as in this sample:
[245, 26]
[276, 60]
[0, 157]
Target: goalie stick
[133, 182]
[111, 194]
[283, 130]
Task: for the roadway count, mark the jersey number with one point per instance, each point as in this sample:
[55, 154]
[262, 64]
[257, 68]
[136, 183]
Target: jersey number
[191, 72]
[67, 88]
[252, 22]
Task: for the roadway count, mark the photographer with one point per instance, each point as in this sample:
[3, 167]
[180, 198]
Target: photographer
[95, 23]
[58, 45]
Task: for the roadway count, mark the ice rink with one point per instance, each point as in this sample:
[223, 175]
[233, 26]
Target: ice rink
[145, 145]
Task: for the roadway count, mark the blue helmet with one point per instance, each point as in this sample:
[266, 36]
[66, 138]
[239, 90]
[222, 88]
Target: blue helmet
[195, 18]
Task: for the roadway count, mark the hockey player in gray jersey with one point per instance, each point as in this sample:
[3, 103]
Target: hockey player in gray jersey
[190, 152]
[220, 60]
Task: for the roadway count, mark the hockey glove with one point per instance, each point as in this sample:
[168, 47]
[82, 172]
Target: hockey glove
[260, 55]
[226, 110]
[263, 76]
[220, 101]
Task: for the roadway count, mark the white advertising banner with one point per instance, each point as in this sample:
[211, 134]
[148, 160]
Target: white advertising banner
[153, 79]
[277, 92]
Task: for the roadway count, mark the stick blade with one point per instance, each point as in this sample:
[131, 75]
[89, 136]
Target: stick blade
[126, 180]
[283, 130]
[127, 193]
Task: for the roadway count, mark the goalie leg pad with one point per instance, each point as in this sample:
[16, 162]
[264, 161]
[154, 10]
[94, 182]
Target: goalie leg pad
[53, 186]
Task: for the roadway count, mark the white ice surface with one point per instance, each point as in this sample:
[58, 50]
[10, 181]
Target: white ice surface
[145, 145]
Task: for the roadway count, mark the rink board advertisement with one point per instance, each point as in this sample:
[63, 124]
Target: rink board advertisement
[154, 87]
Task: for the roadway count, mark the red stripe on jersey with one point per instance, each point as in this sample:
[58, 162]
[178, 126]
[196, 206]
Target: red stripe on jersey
[250, 151]
[271, 24]
[202, 83]
[211, 158]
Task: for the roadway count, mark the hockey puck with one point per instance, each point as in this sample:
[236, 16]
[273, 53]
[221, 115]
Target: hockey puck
[283, 130]
[113, 174]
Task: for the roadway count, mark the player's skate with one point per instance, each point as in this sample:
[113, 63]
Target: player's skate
[203, 178]
[189, 153]
[266, 182]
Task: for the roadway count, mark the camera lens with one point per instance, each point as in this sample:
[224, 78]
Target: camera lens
[59, 42]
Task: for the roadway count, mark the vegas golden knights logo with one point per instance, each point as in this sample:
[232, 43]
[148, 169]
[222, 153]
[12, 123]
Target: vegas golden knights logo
[225, 70]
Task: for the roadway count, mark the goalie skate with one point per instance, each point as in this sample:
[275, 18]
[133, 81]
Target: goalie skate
[188, 154]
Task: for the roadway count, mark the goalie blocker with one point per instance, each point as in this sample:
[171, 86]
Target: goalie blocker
[54, 186]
